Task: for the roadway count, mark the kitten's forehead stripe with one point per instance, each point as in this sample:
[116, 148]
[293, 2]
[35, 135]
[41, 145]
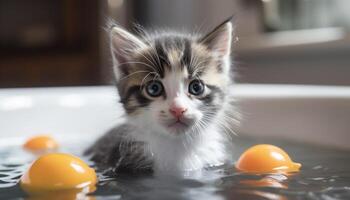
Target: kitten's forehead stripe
[187, 51]
[162, 56]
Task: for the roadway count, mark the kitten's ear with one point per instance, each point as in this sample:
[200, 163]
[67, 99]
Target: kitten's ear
[219, 40]
[123, 44]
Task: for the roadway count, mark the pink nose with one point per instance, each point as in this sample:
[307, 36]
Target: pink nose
[177, 111]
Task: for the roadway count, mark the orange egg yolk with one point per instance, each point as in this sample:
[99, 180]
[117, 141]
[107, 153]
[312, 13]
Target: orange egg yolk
[56, 172]
[266, 158]
[40, 143]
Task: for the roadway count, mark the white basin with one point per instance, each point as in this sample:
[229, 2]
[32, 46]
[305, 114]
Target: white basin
[310, 114]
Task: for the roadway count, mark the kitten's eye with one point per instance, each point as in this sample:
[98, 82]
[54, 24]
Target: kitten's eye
[154, 88]
[196, 87]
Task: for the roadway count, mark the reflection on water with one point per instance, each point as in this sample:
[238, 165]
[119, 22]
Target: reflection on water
[325, 175]
[267, 181]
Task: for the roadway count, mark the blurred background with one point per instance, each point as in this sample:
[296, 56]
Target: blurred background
[63, 42]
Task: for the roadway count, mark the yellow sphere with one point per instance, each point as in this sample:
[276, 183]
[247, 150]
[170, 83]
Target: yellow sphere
[265, 158]
[57, 171]
[40, 143]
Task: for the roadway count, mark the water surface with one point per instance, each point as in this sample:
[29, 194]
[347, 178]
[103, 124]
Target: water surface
[325, 174]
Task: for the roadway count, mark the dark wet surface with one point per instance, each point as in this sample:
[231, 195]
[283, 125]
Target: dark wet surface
[325, 174]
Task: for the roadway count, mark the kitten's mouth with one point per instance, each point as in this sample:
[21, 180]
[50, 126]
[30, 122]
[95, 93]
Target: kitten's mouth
[178, 125]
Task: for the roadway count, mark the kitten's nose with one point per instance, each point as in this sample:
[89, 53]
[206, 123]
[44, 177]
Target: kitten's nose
[177, 111]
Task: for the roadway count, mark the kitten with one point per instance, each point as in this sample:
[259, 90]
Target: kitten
[174, 89]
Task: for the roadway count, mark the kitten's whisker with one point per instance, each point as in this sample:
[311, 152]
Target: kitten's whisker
[134, 62]
[157, 62]
[226, 129]
[144, 78]
[223, 123]
[198, 67]
[137, 72]
[141, 54]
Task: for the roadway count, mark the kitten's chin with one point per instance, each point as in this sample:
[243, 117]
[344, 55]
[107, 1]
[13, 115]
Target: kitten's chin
[177, 127]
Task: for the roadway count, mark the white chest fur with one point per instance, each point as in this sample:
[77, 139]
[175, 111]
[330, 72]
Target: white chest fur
[185, 153]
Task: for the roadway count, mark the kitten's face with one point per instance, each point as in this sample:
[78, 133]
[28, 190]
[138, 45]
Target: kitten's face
[171, 82]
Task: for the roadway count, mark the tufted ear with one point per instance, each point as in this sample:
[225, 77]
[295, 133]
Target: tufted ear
[219, 40]
[123, 45]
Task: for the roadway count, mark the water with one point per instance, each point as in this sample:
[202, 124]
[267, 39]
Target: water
[325, 174]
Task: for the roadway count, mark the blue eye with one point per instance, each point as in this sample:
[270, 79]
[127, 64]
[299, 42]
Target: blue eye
[154, 88]
[196, 87]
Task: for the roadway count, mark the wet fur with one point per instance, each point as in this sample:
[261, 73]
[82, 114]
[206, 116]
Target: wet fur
[141, 143]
